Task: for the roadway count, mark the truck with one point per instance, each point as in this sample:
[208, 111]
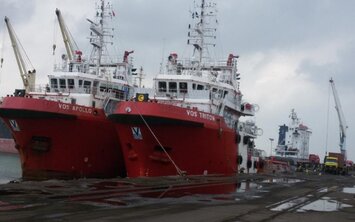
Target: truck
[314, 159]
[335, 163]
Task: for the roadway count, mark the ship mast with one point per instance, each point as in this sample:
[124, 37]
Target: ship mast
[202, 29]
[28, 75]
[99, 36]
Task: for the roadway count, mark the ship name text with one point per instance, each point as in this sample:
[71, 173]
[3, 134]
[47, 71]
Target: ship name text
[74, 108]
[201, 115]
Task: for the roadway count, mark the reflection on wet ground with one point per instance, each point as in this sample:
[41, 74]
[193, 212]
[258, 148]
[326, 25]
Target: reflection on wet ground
[282, 180]
[132, 192]
[53, 199]
[325, 204]
[349, 190]
[242, 198]
[303, 204]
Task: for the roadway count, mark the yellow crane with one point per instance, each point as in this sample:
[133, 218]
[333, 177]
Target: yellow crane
[28, 75]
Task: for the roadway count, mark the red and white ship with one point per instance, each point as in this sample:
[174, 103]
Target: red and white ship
[190, 124]
[60, 129]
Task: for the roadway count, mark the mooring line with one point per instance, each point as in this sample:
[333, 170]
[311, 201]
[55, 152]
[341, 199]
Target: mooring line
[179, 171]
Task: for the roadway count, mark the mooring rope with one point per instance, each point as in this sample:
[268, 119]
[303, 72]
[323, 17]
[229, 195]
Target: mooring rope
[179, 171]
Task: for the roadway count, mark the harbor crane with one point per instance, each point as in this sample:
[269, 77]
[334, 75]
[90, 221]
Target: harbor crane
[28, 75]
[70, 45]
[342, 122]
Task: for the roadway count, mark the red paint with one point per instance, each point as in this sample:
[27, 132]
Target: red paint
[83, 143]
[197, 142]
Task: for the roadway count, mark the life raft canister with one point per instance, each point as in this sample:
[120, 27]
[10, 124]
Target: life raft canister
[141, 97]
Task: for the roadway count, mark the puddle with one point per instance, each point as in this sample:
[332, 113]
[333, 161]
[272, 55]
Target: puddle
[323, 205]
[282, 180]
[289, 204]
[350, 190]
[323, 190]
[247, 186]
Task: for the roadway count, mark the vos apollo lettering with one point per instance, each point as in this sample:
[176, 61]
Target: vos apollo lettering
[74, 108]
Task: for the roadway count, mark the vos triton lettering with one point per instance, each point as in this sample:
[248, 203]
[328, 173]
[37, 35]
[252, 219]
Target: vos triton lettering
[201, 115]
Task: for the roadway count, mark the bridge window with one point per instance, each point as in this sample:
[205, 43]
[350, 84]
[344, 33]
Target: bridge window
[200, 87]
[183, 87]
[54, 83]
[62, 83]
[87, 84]
[162, 86]
[80, 83]
[71, 83]
[172, 87]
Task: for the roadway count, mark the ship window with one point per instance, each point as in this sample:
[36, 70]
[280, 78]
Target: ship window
[172, 86]
[200, 87]
[54, 83]
[80, 83]
[225, 93]
[87, 84]
[62, 83]
[193, 86]
[70, 83]
[183, 87]
[162, 86]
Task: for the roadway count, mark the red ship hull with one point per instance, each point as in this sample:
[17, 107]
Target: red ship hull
[57, 140]
[198, 143]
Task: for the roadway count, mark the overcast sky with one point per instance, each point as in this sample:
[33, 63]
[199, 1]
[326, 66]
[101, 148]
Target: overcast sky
[288, 51]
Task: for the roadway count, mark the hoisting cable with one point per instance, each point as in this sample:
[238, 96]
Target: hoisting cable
[27, 59]
[2, 51]
[327, 123]
[179, 171]
[54, 36]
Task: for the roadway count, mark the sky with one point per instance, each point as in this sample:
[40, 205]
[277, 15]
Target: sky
[288, 52]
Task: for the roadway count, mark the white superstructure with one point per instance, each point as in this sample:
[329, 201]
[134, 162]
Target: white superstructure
[201, 82]
[249, 157]
[294, 139]
[89, 81]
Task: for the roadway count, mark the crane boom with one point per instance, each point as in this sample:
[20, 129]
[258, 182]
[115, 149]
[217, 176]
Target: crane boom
[28, 76]
[69, 42]
[342, 122]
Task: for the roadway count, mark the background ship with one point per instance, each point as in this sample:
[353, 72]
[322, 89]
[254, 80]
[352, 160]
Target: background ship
[294, 139]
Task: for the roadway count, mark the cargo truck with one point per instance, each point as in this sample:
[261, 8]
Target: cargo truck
[335, 163]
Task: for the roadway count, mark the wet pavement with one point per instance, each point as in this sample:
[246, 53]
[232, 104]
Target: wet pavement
[213, 198]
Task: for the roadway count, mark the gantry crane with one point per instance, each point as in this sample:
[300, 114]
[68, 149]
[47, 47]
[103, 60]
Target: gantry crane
[28, 75]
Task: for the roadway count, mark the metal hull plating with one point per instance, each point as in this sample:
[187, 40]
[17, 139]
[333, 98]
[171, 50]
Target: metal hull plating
[199, 143]
[57, 140]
